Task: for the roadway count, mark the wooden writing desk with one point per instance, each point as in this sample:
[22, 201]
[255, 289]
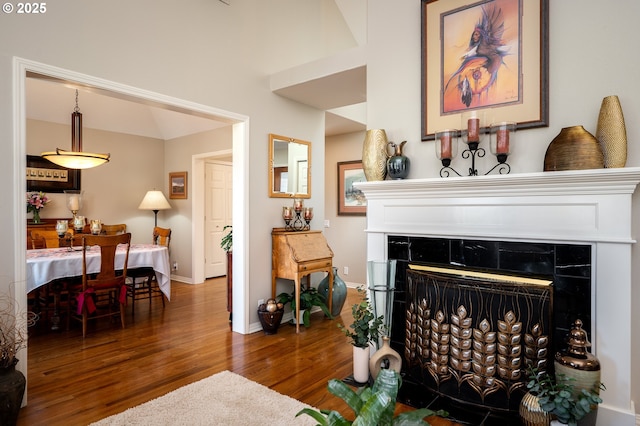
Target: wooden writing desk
[296, 254]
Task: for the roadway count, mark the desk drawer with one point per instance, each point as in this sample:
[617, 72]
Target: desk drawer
[314, 264]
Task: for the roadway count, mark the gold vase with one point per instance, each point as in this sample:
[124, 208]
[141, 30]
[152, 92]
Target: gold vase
[612, 133]
[374, 155]
[573, 149]
[531, 413]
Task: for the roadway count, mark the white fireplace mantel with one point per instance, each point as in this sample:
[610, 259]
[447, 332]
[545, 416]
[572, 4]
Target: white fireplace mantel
[578, 207]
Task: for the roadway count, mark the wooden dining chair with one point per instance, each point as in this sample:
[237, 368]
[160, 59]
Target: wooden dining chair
[100, 293]
[44, 238]
[142, 282]
[120, 228]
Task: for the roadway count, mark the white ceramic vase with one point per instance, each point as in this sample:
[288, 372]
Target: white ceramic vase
[361, 364]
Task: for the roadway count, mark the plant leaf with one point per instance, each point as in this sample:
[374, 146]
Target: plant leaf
[341, 390]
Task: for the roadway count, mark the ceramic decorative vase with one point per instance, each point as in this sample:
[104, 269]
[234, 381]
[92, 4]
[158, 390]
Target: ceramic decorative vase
[374, 155]
[573, 149]
[398, 164]
[612, 133]
[384, 355]
[270, 321]
[12, 386]
[361, 364]
[578, 364]
[339, 294]
[531, 413]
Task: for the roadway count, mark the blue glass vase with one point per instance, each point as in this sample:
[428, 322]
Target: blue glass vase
[339, 292]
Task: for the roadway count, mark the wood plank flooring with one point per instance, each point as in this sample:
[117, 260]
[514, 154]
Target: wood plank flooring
[72, 381]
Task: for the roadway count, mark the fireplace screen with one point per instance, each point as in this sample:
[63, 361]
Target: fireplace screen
[470, 336]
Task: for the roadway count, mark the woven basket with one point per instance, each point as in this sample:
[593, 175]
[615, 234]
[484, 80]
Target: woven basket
[612, 133]
[573, 149]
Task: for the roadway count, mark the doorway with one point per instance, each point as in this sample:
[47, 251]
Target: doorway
[218, 197]
[240, 138]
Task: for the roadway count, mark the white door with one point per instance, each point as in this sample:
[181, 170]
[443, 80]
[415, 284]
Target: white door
[218, 196]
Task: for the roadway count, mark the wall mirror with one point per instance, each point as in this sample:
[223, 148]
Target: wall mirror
[289, 167]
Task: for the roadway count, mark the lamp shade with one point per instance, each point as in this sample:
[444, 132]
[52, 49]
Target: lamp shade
[154, 200]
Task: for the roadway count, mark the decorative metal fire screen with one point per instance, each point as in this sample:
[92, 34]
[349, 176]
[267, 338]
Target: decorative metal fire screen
[470, 336]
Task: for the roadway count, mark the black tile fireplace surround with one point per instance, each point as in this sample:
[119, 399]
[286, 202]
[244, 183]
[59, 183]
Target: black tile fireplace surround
[567, 265]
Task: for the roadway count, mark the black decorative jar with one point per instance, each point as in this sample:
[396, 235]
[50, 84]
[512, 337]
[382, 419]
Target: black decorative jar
[12, 386]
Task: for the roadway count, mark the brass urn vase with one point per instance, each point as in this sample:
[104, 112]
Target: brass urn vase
[374, 155]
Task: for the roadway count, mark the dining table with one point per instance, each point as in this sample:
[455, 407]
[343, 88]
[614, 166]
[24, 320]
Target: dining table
[49, 265]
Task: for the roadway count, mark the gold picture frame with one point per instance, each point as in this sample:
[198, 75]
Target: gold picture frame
[178, 185]
[351, 201]
[454, 63]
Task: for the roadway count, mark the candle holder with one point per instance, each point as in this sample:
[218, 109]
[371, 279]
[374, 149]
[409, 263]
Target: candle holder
[74, 202]
[501, 135]
[298, 217]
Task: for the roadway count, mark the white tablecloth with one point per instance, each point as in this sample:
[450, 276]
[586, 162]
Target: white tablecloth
[46, 265]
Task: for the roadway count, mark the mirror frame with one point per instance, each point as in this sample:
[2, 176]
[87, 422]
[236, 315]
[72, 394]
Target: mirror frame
[273, 194]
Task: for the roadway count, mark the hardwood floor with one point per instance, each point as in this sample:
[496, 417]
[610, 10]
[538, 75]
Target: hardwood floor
[72, 381]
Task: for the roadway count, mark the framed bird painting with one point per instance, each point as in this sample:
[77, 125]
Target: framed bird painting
[489, 57]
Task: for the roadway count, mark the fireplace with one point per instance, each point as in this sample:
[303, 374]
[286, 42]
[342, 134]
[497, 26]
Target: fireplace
[564, 217]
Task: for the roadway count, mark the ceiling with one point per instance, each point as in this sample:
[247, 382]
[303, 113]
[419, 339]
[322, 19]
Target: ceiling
[53, 100]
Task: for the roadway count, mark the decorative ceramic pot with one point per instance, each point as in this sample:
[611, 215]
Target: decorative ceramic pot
[384, 355]
[339, 294]
[398, 164]
[573, 149]
[531, 413]
[374, 155]
[578, 365]
[12, 386]
[612, 133]
[270, 321]
[361, 364]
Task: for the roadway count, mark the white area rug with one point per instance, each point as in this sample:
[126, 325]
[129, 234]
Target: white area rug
[222, 399]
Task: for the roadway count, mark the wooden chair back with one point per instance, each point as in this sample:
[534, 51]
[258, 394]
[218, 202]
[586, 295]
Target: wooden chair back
[120, 228]
[44, 238]
[162, 236]
[107, 277]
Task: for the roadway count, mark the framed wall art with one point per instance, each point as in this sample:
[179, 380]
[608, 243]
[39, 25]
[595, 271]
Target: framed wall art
[43, 175]
[489, 56]
[178, 188]
[351, 201]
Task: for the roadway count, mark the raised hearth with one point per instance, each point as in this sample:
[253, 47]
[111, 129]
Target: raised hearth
[591, 208]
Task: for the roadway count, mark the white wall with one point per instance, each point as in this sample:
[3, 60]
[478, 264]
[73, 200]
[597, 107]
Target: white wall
[205, 52]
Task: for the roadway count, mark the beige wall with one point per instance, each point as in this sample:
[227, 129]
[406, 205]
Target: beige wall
[345, 234]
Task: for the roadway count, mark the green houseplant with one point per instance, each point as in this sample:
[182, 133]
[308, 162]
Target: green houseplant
[309, 297]
[560, 398]
[371, 405]
[364, 330]
[227, 240]
[366, 327]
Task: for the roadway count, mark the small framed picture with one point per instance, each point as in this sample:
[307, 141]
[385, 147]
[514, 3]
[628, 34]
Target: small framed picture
[178, 185]
[351, 200]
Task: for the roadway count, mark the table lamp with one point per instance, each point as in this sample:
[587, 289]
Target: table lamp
[154, 200]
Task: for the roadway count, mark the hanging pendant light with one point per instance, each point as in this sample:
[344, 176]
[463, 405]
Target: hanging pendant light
[76, 158]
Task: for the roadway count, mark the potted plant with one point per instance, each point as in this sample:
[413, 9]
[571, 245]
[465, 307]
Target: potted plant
[364, 330]
[12, 381]
[36, 201]
[561, 399]
[309, 298]
[226, 243]
[371, 406]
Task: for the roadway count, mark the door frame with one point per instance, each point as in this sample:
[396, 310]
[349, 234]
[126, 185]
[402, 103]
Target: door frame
[198, 208]
[240, 150]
